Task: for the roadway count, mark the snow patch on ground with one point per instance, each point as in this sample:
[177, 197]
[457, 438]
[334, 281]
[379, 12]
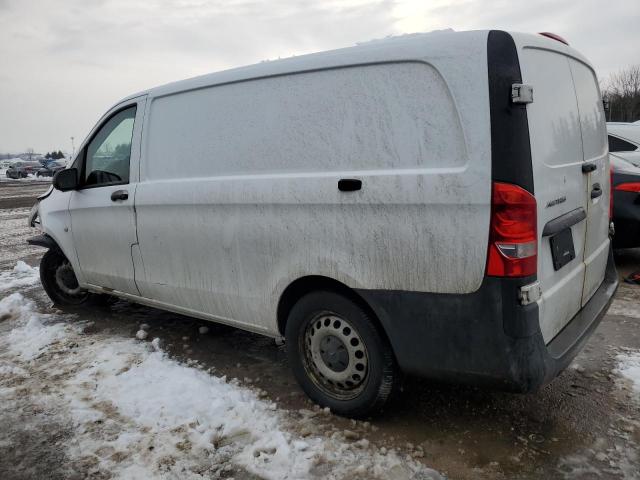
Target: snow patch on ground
[178, 420]
[625, 308]
[34, 333]
[22, 275]
[136, 413]
[629, 368]
[29, 178]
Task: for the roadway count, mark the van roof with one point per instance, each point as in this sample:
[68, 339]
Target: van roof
[409, 47]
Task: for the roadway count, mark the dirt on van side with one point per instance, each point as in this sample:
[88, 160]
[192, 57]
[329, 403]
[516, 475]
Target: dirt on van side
[585, 424]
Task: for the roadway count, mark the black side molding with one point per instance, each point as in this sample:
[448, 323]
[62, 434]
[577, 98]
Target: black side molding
[564, 221]
[43, 240]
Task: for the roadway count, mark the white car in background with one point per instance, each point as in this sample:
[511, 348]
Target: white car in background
[624, 140]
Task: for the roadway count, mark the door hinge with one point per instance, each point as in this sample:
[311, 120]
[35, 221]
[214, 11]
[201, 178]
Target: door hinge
[530, 293]
[521, 93]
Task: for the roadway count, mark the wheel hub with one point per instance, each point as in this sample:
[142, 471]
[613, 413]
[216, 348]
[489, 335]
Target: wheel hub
[334, 353]
[66, 280]
[335, 356]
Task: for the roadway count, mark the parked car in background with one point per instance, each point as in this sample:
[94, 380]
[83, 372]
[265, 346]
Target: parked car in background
[50, 169]
[624, 140]
[374, 205]
[626, 202]
[22, 169]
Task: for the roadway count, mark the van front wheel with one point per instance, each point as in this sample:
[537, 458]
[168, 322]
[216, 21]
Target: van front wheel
[339, 356]
[59, 280]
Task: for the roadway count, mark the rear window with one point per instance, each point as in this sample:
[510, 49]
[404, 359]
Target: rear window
[619, 145]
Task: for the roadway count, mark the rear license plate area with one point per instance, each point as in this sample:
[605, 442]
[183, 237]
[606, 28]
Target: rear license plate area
[562, 250]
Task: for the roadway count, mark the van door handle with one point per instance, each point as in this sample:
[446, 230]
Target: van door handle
[119, 195]
[349, 184]
[588, 167]
[597, 191]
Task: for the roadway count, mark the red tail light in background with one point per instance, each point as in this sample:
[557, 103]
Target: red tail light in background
[628, 187]
[610, 192]
[513, 234]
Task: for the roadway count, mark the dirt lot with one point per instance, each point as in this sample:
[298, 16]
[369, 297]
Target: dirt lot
[585, 424]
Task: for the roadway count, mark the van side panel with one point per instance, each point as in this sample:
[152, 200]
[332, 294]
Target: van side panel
[241, 198]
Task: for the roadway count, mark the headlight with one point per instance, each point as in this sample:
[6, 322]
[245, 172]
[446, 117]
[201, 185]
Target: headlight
[33, 216]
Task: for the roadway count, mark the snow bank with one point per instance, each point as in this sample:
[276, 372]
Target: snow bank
[22, 275]
[140, 414]
[629, 368]
[188, 414]
[33, 334]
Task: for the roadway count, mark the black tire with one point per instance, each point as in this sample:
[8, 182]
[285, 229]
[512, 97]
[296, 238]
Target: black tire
[58, 279]
[313, 320]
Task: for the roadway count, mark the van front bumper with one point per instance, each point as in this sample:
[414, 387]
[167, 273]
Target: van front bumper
[485, 337]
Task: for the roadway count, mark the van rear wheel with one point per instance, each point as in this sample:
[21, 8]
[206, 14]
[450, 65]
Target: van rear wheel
[59, 280]
[339, 356]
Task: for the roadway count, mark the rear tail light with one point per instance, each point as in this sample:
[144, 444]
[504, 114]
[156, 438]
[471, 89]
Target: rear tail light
[628, 187]
[513, 234]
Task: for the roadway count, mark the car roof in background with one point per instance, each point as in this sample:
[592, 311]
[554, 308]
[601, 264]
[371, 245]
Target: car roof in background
[630, 131]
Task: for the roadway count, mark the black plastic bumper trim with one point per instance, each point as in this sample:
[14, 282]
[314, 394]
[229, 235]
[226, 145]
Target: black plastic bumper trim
[43, 240]
[485, 337]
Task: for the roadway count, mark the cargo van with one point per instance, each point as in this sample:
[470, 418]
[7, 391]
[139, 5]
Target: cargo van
[434, 204]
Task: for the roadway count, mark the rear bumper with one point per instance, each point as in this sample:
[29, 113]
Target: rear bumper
[485, 337]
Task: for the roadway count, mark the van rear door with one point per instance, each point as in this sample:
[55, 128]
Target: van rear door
[566, 125]
[596, 162]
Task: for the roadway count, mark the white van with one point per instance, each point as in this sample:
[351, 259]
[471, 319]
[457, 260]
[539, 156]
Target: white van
[434, 204]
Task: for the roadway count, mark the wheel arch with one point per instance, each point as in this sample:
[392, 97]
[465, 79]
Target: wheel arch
[304, 285]
[44, 240]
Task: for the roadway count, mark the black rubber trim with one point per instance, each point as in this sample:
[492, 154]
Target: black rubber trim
[485, 337]
[567, 220]
[43, 240]
[510, 146]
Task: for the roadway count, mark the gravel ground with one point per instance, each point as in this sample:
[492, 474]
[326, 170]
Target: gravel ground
[585, 424]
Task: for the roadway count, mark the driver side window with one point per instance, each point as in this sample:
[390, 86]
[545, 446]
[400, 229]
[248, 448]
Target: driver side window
[108, 154]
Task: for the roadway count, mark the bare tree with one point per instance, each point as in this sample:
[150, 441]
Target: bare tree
[622, 92]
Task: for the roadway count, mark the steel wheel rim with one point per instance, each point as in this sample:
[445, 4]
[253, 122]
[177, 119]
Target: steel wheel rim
[335, 357]
[66, 280]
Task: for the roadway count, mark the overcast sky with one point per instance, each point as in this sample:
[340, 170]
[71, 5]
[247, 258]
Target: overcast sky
[63, 63]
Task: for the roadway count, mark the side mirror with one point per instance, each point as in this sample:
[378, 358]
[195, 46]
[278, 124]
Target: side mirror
[66, 180]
